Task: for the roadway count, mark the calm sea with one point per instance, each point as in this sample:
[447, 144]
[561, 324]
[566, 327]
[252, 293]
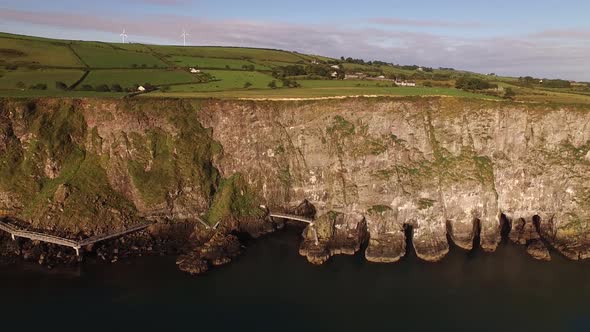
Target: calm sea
[272, 288]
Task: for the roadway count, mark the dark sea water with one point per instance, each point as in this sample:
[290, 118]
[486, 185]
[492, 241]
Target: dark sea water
[272, 288]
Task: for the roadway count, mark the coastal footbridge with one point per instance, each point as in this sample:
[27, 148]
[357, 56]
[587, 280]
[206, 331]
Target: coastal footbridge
[17, 232]
[294, 217]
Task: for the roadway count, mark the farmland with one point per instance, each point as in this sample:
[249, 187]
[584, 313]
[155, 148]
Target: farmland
[105, 56]
[13, 79]
[227, 80]
[215, 63]
[34, 66]
[128, 78]
[36, 53]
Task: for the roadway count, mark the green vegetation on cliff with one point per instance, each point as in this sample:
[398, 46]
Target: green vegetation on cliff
[233, 199]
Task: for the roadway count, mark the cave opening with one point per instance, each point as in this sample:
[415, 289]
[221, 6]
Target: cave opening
[505, 227]
[409, 234]
[537, 223]
[476, 235]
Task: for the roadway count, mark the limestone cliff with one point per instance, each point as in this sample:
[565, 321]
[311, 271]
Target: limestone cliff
[373, 169]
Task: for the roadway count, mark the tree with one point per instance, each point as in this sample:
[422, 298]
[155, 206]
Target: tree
[61, 86]
[509, 93]
[20, 84]
[272, 84]
[116, 88]
[87, 87]
[247, 85]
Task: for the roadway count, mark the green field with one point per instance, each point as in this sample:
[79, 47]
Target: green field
[229, 53]
[322, 92]
[189, 61]
[128, 77]
[98, 55]
[10, 79]
[227, 80]
[28, 61]
[36, 53]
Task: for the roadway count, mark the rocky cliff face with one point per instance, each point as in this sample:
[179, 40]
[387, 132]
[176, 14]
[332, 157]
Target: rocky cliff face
[375, 170]
[435, 166]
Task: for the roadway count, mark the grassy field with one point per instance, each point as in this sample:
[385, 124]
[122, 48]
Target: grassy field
[227, 80]
[10, 79]
[128, 77]
[98, 55]
[36, 52]
[229, 53]
[321, 92]
[59, 93]
[190, 61]
[26, 61]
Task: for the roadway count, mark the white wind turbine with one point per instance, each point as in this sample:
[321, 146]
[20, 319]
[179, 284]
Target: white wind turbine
[184, 35]
[123, 36]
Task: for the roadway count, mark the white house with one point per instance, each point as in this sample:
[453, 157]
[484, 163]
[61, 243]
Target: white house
[195, 71]
[420, 69]
[334, 74]
[335, 67]
[141, 88]
[381, 77]
[314, 62]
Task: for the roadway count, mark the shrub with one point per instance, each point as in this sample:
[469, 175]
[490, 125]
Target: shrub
[247, 85]
[473, 83]
[287, 83]
[20, 85]
[39, 86]
[165, 88]
[272, 84]
[86, 87]
[116, 88]
[509, 93]
[61, 86]
[427, 84]
[556, 84]
[103, 88]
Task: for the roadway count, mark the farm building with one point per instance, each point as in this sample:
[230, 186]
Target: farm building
[141, 88]
[335, 67]
[194, 70]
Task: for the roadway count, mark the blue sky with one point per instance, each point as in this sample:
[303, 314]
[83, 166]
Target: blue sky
[544, 38]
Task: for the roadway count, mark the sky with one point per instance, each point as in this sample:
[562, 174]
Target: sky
[542, 38]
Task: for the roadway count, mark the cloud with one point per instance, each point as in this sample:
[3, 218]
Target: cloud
[571, 34]
[514, 55]
[422, 23]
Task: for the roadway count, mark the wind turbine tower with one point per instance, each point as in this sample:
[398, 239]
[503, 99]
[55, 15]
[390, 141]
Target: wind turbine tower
[123, 36]
[184, 35]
